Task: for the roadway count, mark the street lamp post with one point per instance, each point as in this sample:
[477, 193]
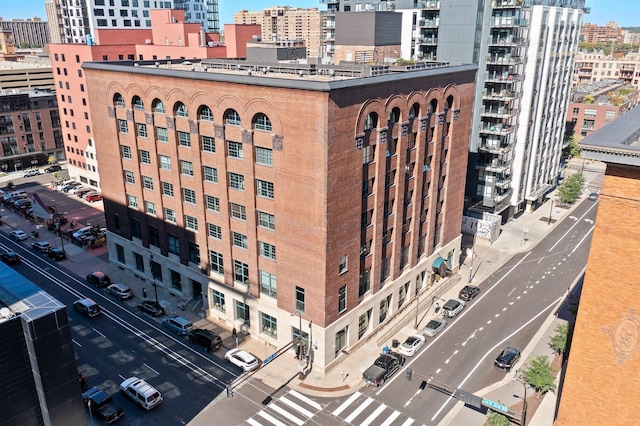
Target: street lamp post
[550, 212]
[473, 254]
[524, 401]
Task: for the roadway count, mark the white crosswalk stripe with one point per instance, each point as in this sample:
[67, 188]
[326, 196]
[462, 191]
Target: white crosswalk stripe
[373, 415]
[358, 410]
[358, 407]
[252, 422]
[296, 407]
[287, 415]
[308, 401]
[292, 408]
[345, 404]
[270, 418]
[391, 418]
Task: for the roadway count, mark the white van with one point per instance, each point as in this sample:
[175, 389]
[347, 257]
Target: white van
[141, 392]
[82, 231]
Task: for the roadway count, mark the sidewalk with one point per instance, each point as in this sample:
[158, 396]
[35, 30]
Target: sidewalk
[347, 378]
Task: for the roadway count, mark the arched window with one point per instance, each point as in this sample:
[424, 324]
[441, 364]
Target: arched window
[261, 122]
[394, 116]
[232, 118]
[158, 106]
[414, 111]
[449, 103]
[204, 113]
[118, 100]
[137, 103]
[371, 122]
[433, 106]
[180, 110]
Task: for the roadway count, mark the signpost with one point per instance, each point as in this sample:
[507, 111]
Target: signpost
[495, 405]
[270, 358]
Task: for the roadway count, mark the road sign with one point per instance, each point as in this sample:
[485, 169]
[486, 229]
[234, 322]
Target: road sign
[495, 405]
[270, 358]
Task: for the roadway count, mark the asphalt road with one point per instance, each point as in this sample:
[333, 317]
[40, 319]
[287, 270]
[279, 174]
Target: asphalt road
[121, 343]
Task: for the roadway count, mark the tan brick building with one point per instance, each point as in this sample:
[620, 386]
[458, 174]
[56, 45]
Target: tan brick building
[603, 372]
[355, 175]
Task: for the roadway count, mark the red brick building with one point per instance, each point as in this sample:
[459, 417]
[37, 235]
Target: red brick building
[29, 130]
[603, 370]
[355, 176]
[594, 33]
[609, 99]
[170, 38]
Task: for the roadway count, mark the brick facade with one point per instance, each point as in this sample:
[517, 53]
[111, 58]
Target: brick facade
[318, 141]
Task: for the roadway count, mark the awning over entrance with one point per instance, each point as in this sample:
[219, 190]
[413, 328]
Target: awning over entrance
[39, 208]
[440, 266]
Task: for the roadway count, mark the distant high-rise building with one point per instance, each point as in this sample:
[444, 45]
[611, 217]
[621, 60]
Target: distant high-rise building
[73, 22]
[525, 53]
[28, 32]
[287, 24]
[593, 67]
[593, 33]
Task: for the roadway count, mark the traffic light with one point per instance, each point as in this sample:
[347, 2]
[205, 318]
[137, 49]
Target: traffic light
[229, 391]
[409, 374]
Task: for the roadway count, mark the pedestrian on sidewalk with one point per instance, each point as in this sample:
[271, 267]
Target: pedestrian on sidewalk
[436, 307]
[144, 292]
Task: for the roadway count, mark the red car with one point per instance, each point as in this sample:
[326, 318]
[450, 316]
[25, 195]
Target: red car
[94, 197]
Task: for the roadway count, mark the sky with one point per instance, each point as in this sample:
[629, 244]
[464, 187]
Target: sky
[625, 12]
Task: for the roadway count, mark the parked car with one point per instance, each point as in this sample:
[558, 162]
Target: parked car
[383, 368]
[507, 359]
[99, 278]
[434, 327]
[53, 168]
[120, 290]
[42, 246]
[102, 405]
[63, 184]
[242, 359]
[209, 340]
[8, 195]
[18, 235]
[151, 307]
[82, 231]
[87, 307]
[86, 194]
[593, 196]
[10, 257]
[83, 191]
[57, 254]
[30, 172]
[70, 186]
[469, 292]
[75, 189]
[411, 345]
[180, 325]
[93, 197]
[22, 204]
[141, 392]
[452, 308]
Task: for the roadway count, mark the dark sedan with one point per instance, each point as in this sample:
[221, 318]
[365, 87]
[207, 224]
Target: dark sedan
[99, 278]
[469, 292]
[507, 359]
[10, 257]
[151, 307]
[57, 254]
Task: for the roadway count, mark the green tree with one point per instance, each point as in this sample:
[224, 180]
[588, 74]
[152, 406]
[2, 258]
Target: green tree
[589, 99]
[539, 375]
[558, 341]
[496, 419]
[10, 184]
[570, 188]
[573, 150]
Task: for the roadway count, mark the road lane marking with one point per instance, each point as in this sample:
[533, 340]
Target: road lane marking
[271, 419]
[103, 336]
[287, 415]
[514, 289]
[253, 422]
[359, 410]
[308, 401]
[493, 349]
[406, 404]
[407, 422]
[373, 415]
[76, 343]
[345, 404]
[391, 418]
[296, 407]
[146, 365]
[581, 241]
[504, 309]
[569, 230]
[438, 370]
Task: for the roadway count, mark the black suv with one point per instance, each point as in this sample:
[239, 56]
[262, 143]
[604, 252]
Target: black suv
[99, 278]
[205, 338]
[10, 257]
[54, 168]
[507, 359]
[468, 292]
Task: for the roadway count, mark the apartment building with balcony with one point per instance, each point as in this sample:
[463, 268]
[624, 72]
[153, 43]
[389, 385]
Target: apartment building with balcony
[343, 215]
[170, 40]
[592, 67]
[597, 104]
[594, 33]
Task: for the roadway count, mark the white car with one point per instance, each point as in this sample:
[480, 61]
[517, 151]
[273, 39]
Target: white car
[120, 290]
[411, 345]
[82, 232]
[63, 184]
[242, 359]
[452, 308]
[76, 189]
[18, 235]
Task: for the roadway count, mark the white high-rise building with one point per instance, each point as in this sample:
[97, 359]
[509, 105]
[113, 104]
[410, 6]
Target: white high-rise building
[71, 21]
